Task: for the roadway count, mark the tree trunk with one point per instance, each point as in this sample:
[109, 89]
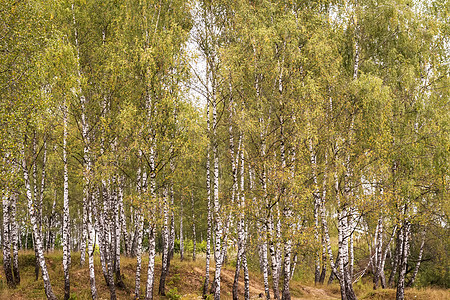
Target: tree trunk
[419, 258]
[36, 204]
[324, 259]
[166, 242]
[151, 264]
[84, 135]
[378, 253]
[181, 231]
[273, 255]
[152, 192]
[287, 270]
[140, 222]
[99, 229]
[218, 257]
[333, 273]
[118, 232]
[6, 241]
[265, 266]
[194, 233]
[316, 198]
[91, 237]
[38, 243]
[123, 221]
[396, 258]
[14, 238]
[246, 277]
[400, 295]
[208, 199]
[66, 218]
[172, 218]
[109, 240]
[234, 193]
[383, 279]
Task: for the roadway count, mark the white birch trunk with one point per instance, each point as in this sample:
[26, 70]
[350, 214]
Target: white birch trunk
[181, 231]
[91, 237]
[66, 217]
[273, 256]
[287, 270]
[241, 221]
[140, 224]
[383, 279]
[316, 198]
[166, 244]
[325, 225]
[172, 215]
[36, 204]
[218, 257]
[109, 239]
[38, 243]
[118, 232]
[100, 232]
[246, 277]
[419, 259]
[84, 134]
[6, 240]
[208, 191]
[141, 187]
[123, 221]
[151, 265]
[400, 295]
[376, 263]
[194, 233]
[396, 258]
[265, 227]
[151, 254]
[14, 238]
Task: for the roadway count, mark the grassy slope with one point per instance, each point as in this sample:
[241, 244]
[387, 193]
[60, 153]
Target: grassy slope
[186, 277]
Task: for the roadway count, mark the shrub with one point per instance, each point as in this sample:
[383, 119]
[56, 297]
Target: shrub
[173, 294]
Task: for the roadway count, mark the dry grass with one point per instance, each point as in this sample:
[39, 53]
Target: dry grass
[185, 280]
[410, 294]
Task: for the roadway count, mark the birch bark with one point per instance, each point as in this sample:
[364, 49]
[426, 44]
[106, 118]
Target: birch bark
[66, 218]
[400, 295]
[118, 231]
[84, 134]
[265, 221]
[91, 237]
[151, 251]
[36, 204]
[166, 244]
[181, 231]
[217, 218]
[6, 240]
[38, 243]
[151, 265]
[396, 257]
[141, 187]
[208, 199]
[316, 197]
[194, 233]
[14, 238]
[419, 259]
[241, 221]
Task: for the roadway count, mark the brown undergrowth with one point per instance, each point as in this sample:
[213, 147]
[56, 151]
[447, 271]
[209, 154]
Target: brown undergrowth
[184, 281]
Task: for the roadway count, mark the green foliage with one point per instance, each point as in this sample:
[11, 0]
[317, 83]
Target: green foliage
[73, 297]
[173, 294]
[283, 77]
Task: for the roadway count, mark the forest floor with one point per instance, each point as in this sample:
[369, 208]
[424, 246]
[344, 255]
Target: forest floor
[184, 281]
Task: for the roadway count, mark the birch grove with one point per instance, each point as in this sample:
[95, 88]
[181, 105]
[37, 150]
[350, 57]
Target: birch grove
[262, 145]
